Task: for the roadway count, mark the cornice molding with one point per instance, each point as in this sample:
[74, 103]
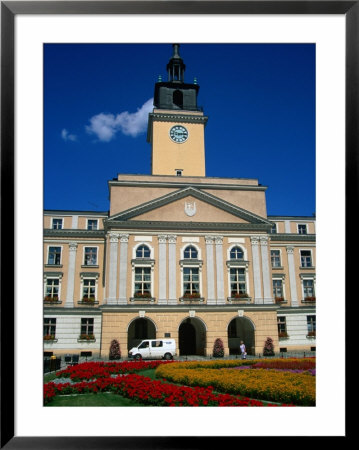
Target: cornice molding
[67, 232]
[292, 237]
[185, 226]
[182, 185]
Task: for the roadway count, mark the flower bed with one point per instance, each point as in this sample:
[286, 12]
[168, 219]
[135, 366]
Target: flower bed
[149, 392]
[277, 386]
[91, 370]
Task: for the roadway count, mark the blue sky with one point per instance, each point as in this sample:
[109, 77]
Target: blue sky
[260, 100]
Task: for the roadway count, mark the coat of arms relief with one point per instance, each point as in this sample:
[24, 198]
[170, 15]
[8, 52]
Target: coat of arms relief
[190, 208]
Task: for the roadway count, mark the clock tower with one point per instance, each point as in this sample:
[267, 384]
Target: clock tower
[176, 125]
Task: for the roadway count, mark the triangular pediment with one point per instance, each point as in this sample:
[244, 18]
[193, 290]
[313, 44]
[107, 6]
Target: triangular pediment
[189, 205]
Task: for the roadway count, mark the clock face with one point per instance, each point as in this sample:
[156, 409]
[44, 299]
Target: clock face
[178, 134]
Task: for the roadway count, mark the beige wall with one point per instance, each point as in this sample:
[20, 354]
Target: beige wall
[115, 326]
[167, 156]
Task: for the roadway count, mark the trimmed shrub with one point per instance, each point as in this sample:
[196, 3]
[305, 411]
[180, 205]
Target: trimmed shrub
[268, 349]
[218, 349]
[115, 352]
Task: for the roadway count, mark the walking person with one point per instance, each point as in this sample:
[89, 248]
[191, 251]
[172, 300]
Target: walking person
[243, 350]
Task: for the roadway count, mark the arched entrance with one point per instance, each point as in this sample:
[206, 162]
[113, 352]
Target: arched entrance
[192, 337]
[241, 329]
[138, 330]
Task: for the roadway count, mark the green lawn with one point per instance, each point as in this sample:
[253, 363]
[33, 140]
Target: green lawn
[100, 399]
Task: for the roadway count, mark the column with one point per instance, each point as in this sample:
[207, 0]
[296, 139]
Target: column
[172, 269]
[71, 275]
[256, 270]
[112, 271]
[123, 269]
[162, 269]
[220, 270]
[267, 290]
[292, 279]
[210, 270]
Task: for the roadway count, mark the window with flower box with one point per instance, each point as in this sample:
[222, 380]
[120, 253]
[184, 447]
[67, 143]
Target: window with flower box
[191, 282]
[87, 329]
[89, 283]
[191, 267]
[142, 272]
[237, 274]
[49, 329]
[238, 282]
[278, 290]
[142, 282]
[308, 288]
[311, 326]
[52, 287]
[282, 327]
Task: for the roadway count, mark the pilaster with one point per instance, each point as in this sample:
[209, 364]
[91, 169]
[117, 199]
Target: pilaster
[71, 275]
[123, 269]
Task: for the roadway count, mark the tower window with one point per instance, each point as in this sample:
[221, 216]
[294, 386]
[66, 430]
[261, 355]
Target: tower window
[179, 172]
[178, 98]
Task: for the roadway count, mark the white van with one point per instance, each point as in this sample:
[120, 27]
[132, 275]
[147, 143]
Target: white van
[154, 349]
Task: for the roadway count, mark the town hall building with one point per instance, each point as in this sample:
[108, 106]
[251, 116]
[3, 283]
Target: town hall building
[179, 254]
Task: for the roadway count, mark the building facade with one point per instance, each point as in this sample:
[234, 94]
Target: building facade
[179, 254]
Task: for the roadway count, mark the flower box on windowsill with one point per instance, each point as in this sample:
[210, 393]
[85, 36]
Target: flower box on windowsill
[86, 338]
[311, 335]
[49, 339]
[283, 335]
[279, 300]
[52, 300]
[88, 301]
[309, 300]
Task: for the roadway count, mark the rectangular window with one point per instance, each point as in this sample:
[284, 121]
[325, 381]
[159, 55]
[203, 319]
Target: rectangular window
[282, 326]
[311, 325]
[57, 224]
[52, 288]
[190, 281]
[50, 327]
[89, 288]
[142, 282]
[90, 256]
[238, 281]
[275, 258]
[306, 258]
[308, 288]
[302, 229]
[273, 230]
[92, 224]
[277, 288]
[87, 326]
[54, 256]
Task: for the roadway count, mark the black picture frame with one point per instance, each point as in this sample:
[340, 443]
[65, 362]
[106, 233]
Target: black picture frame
[9, 9]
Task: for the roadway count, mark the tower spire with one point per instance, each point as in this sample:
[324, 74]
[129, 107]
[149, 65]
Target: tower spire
[176, 66]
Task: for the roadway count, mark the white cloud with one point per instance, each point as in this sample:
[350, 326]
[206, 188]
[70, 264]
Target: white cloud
[66, 136]
[105, 126]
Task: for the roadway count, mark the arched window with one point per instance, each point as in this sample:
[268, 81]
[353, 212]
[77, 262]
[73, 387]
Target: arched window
[190, 252]
[143, 252]
[236, 253]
